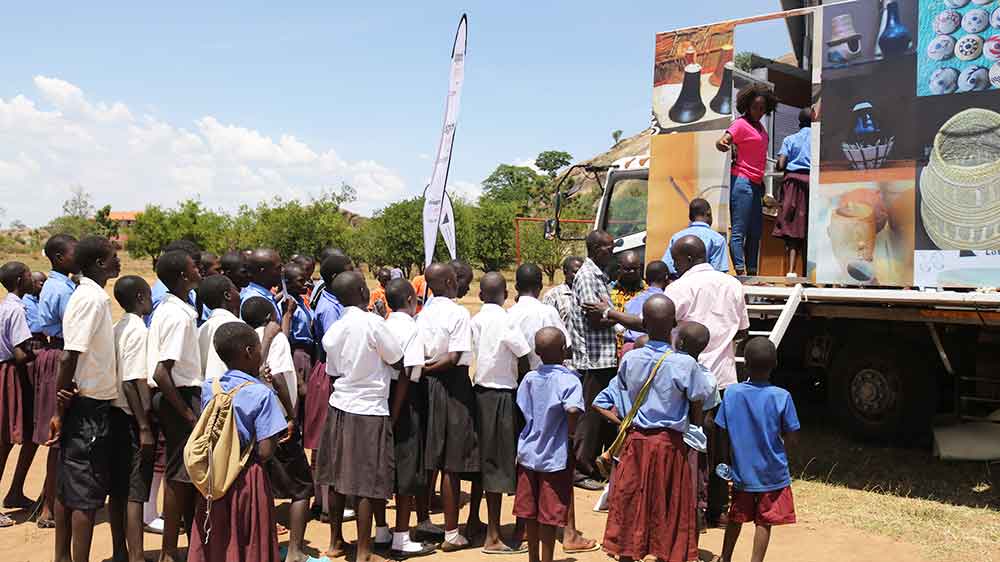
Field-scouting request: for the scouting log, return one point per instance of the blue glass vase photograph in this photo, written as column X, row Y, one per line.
column 895, row 39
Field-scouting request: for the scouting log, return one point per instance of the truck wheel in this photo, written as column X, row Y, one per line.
column 881, row 392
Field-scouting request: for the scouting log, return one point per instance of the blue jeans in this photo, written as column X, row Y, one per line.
column 745, row 213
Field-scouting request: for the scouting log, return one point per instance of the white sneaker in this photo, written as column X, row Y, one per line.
column 155, row 526
column 602, row 502
column 401, row 542
column 382, row 535
column 349, row 514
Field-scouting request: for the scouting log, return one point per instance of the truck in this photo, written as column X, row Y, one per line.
column 897, row 349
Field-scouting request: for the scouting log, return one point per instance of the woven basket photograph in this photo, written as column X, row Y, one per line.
column 960, row 186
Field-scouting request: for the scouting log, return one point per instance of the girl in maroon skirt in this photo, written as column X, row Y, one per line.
column 240, row 526
column 652, row 509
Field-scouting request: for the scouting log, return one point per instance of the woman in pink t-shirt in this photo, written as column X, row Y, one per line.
column 748, row 139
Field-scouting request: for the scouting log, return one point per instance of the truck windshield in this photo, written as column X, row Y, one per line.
column 626, row 208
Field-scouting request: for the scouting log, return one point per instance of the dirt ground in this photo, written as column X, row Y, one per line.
column 806, row 541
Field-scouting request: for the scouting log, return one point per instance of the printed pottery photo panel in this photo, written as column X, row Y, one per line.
column 864, row 32
column 693, row 79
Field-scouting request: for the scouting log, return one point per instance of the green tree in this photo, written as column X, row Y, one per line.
column 78, row 204
column 494, row 235
column 103, row 223
column 76, row 218
column 512, row 184
column 551, row 161
column 546, row 254
column 292, row 227
column 616, row 135
column 155, row 227
column 394, row 236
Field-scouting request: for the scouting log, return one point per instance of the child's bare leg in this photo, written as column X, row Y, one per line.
column 187, row 499
column 337, row 502
column 15, row 497
column 449, row 492
column 134, row 531
column 423, row 505
column 172, row 511
column 474, row 525
column 404, row 505
column 729, row 542
column 366, row 507
column 64, row 532
column 531, row 529
column 49, row 487
column 117, row 520
column 83, row 533
column 572, row 538
column 493, row 504
column 761, row 537
column 298, row 517
column 547, row 540
column 5, row 449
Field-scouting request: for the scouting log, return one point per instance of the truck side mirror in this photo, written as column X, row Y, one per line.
column 549, row 229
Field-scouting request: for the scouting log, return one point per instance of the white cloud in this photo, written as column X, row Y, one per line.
column 527, row 163
column 126, row 159
column 470, row 191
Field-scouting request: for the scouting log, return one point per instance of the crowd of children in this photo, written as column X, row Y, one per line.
column 388, row 400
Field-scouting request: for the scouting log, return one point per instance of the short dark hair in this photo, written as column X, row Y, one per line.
column 92, row 248
column 127, row 288
column 329, row 251
column 656, row 271
column 171, row 266
column 212, row 290
column 594, row 237
column 186, row 246
column 750, row 92
column 569, row 261
column 333, row 266
column 58, row 244
column 10, row 273
column 760, row 353
column 528, row 276
column 231, row 260
column 231, row 338
column 397, row 291
column 698, row 208
column 805, row 117
column 257, row 311
column 344, row 284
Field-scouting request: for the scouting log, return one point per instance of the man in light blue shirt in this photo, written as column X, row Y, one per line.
column 700, row 214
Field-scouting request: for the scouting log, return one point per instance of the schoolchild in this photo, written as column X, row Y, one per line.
column 222, row 298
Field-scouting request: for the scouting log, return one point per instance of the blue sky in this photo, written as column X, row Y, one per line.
column 237, row 102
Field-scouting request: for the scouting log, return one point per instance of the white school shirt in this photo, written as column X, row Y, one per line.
column 404, row 328
column 173, row 336
column 130, row 354
column 87, row 329
column 279, row 361
column 497, row 345
column 212, row 365
column 360, row 354
column 530, row 315
column 447, row 327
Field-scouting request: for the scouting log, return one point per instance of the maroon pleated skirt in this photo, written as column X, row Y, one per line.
column 44, row 371
column 318, row 390
column 793, row 220
column 241, row 524
column 652, row 509
column 15, row 405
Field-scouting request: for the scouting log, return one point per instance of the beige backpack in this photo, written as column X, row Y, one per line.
column 212, row 453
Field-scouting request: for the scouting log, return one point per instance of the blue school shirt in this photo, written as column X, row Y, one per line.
column 31, row 313
column 678, row 381
column 715, row 246
column 797, row 148
column 634, row 307
column 613, row 396
column 256, row 406
column 302, row 324
column 159, row 291
column 755, row 414
column 255, row 290
column 52, row 301
column 544, row 397
column 327, row 311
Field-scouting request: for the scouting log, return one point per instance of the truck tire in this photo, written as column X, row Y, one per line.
column 882, row 392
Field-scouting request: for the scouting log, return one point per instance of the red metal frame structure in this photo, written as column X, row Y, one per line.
column 517, row 230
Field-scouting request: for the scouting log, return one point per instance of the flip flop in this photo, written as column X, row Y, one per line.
column 425, row 550
column 46, row 523
column 504, row 549
column 592, row 548
column 281, row 529
column 6, row 521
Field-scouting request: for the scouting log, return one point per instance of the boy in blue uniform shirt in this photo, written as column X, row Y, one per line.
column 759, row 419
column 551, row 399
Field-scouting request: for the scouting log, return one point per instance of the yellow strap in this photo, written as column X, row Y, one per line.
column 639, row 399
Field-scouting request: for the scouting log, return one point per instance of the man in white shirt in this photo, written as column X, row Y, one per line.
column 501, row 359
column 357, row 453
column 716, row 300
column 222, row 298
column 173, row 359
column 83, row 428
column 452, row 443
